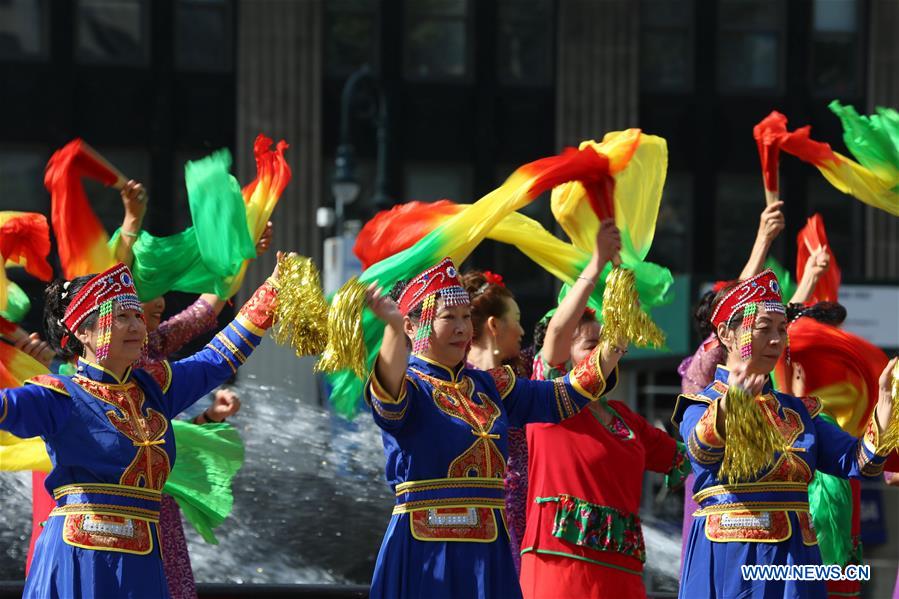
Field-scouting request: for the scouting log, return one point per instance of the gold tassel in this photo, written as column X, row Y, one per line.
column 301, row 318
column 623, row 320
column 890, row 439
column 752, row 439
column 346, row 340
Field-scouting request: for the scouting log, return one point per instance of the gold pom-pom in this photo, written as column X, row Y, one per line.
column 752, row 439
column 301, row 317
column 346, row 341
column 890, row 439
column 623, row 320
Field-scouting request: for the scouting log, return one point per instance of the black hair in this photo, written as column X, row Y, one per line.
column 830, row 313
column 702, row 315
column 56, row 299
column 397, row 290
column 735, row 320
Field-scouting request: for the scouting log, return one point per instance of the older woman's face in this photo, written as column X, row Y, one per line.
column 450, row 334
column 769, row 339
column 127, row 335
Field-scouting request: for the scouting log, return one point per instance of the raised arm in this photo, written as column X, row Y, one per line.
column 553, row 401
column 387, row 388
column 771, row 223
column 39, row 408
column 815, row 266
column 557, row 344
column 841, row 454
column 134, row 199
column 186, row 381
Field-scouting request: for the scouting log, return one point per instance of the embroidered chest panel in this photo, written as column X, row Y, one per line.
column 789, row 466
column 145, row 427
column 483, row 458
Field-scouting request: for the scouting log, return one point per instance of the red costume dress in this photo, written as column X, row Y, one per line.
column 583, row 536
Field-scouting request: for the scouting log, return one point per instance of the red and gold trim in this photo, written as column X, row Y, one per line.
column 504, row 378
column 753, row 506
column 812, row 404
column 107, row 532
column 751, row 487
column 385, row 406
column 706, row 431
column 700, row 454
column 586, row 377
column 256, row 315
column 48, row 382
column 807, row 528
column 161, row 372
column 454, row 524
column 753, row 526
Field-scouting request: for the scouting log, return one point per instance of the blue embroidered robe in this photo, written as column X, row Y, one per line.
column 765, row 521
column 111, row 445
column 445, row 444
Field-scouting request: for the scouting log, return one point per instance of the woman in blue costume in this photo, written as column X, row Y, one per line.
column 108, row 433
column 754, row 451
column 444, row 430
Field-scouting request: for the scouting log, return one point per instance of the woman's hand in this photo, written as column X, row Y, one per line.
column 383, row 306
column 225, row 405
column 35, row 347
column 771, row 223
column 134, row 199
column 608, row 241
column 281, row 256
column 884, row 409
column 265, row 241
column 818, row 262
column 740, row 378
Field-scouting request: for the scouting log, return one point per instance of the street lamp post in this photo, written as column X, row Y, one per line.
column 344, row 186
column 339, row 262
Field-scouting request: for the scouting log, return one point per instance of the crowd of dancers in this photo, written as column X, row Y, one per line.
column 514, row 472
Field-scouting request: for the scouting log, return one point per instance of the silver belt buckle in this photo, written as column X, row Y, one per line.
column 119, row 529
column 470, row 518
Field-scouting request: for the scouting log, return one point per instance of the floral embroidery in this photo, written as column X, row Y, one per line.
column 504, row 379
column 598, row 527
column 705, row 430
column 680, row 468
column 144, row 427
column 257, row 313
column 587, row 377
column 108, row 533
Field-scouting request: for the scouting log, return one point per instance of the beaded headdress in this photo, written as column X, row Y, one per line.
column 442, row 280
column 760, row 290
column 100, row 294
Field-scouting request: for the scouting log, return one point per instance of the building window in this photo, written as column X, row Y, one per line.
column 203, row 35
column 740, row 200
column 113, row 32
column 23, row 29
column 750, row 46
column 666, row 45
column 22, row 179
column 431, row 181
column 836, row 63
column 525, row 45
column 844, row 221
column 350, row 35
column 672, row 245
column 436, row 39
